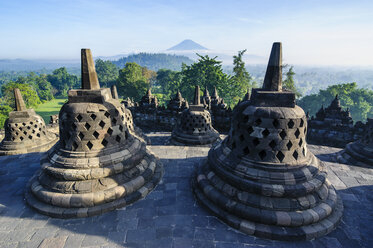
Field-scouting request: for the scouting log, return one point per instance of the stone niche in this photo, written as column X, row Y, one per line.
column 98, row 164
column 359, row 153
column 25, row 131
column 261, row 179
column 194, row 127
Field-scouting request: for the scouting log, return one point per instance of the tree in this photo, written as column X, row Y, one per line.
column 241, row 79
column 62, row 81
column 107, row 72
column 131, row 82
column 359, row 101
column 4, row 112
column 29, row 95
column 289, row 83
column 169, row 82
column 207, row 73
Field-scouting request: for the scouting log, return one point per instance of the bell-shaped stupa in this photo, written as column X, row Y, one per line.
column 25, row 131
column 194, row 127
column 360, row 152
column 261, row 179
column 98, row 165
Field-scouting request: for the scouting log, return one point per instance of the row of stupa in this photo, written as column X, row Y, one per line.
column 261, row 179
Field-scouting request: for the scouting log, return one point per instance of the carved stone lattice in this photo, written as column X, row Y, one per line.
column 25, row 131
column 261, row 179
column 99, row 164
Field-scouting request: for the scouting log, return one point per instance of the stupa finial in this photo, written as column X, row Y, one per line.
column 20, row 104
column 273, row 77
column 89, row 75
column 197, row 98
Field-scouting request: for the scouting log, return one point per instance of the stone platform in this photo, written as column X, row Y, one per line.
column 170, row 216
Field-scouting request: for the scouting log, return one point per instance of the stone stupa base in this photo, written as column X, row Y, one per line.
column 127, row 176
column 6, row 151
column 182, row 139
column 356, row 154
column 257, row 206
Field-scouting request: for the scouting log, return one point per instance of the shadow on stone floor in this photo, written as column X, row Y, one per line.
column 167, row 217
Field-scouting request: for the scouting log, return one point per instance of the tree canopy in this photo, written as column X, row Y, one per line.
column 289, row 82
column 62, row 81
column 107, row 72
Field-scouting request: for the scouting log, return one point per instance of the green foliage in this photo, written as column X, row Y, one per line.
column 107, row 72
column 169, row 82
column 206, row 72
column 4, row 111
column 62, row 81
column 359, row 101
column 155, row 61
column 29, row 95
column 241, row 80
column 289, row 83
column 131, row 81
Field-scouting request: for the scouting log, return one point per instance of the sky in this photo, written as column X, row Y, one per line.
column 318, row 32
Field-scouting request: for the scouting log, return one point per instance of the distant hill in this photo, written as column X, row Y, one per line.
column 187, row 45
column 155, row 61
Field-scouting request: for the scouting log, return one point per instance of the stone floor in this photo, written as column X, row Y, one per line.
column 169, row 216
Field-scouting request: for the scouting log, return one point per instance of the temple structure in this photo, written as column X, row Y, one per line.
column 148, row 102
column 206, row 99
column 177, row 104
column 98, row 165
column 359, row 153
column 25, row 131
column 221, row 115
column 261, row 179
column 332, row 126
column 194, row 126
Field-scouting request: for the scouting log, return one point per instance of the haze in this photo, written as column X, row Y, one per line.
column 313, row 32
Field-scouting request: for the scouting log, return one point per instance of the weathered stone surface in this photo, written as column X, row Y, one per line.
column 25, row 131
column 261, row 179
column 332, row 126
column 359, row 153
column 194, row 127
column 99, row 164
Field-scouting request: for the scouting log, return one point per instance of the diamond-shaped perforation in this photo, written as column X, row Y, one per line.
column 30, row 137
column 291, row 123
column 300, row 142
column 282, row 134
column 38, row 134
column 121, row 128
column 295, row 155
column 256, row 141
column 21, row 138
column 87, row 126
column 126, row 134
column 110, row 131
column 104, row 142
column 265, row 133
column 81, row 135
column 74, row 146
column 107, row 114
column 301, row 123
column 24, row 123
column 101, row 124
column 96, row 134
column 289, row 145
column 93, row 116
column 79, row 117
column 280, row 156
column 297, row 133
column 258, row 122
column 272, row 144
column 89, row 145
column 250, row 130
column 73, row 126
column 262, row 154
column 304, row 151
column 118, row 138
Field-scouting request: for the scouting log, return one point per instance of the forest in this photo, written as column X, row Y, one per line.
column 132, row 78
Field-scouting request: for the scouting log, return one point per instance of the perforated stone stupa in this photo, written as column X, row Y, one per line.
column 177, row 104
column 360, row 152
column 98, row 165
column 261, row 179
column 194, row 126
column 25, row 131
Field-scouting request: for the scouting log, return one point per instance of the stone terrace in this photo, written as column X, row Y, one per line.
column 169, row 216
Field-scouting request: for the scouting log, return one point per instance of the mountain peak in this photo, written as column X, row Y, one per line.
column 187, row 45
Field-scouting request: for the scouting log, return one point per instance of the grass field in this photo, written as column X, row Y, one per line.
column 47, row 109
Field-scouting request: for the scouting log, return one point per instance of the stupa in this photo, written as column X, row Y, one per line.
column 177, row 104
column 359, row 153
column 332, row 126
column 261, row 179
column 97, row 165
column 25, row 131
column 194, row 126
